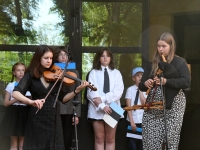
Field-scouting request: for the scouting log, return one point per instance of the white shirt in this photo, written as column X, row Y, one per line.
column 10, row 87
column 131, row 94
column 96, row 77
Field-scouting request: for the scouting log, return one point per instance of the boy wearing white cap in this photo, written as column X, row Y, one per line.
column 135, row 97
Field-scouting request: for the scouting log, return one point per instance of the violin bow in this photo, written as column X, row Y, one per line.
column 51, row 88
column 61, row 83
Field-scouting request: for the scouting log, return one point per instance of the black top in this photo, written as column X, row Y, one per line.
column 44, row 129
column 67, row 108
column 173, row 85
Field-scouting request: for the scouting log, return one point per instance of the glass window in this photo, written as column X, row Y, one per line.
column 124, row 62
column 33, row 22
column 8, row 59
column 111, row 24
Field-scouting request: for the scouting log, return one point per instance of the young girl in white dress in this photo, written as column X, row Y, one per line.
column 15, row 119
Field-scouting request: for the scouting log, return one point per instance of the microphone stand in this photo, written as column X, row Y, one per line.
column 75, row 140
column 64, row 71
column 165, row 141
column 55, row 101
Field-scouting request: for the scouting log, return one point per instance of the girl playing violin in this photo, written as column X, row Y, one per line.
column 44, row 129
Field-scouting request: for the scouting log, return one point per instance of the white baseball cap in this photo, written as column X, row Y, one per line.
column 136, row 70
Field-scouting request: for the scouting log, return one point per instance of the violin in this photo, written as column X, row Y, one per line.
column 56, row 73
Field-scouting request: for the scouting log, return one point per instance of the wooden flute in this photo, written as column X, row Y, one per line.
column 157, row 73
column 153, row 105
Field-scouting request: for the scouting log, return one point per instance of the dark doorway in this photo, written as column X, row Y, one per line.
column 187, row 32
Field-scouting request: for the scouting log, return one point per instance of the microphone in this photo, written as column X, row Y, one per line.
column 76, row 103
column 70, row 58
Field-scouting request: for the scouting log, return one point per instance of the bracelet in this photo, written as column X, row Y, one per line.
column 75, row 92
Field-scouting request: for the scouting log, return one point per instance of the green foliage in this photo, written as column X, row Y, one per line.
column 103, row 24
column 8, row 59
column 112, row 24
column 17, row 20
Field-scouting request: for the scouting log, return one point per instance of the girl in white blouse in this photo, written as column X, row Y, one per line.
column 99, row 101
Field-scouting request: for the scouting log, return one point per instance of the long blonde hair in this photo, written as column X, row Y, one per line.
column 169, row 39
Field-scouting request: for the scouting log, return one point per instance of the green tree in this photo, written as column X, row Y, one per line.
column 8, row 59
column 16, row 21
column 112, row 24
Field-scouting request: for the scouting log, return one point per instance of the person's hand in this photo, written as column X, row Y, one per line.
column 149, row 83
column 134, row 127
column 97, row 101
column 157, row 80
column 81, row 86
column 38, row 103
column 76, row 120
column 107, row 110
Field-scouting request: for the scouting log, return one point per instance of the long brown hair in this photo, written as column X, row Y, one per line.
column 35, row 67
column 96, row 61
column 169, row 39
column 14, row 67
